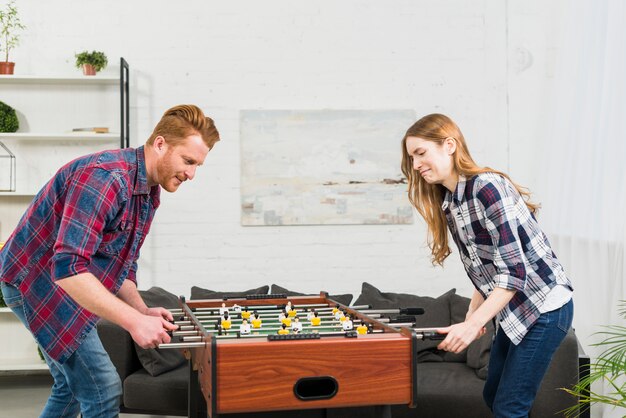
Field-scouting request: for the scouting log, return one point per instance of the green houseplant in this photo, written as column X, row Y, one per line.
column 8, row 118
column 10, row 26
column 608, row 368
column 91, row 62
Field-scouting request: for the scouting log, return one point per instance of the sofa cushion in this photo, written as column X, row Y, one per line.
column 344, row 299
column 200, row 293
column 166, row 392
column 157, row 361
column 436, row 313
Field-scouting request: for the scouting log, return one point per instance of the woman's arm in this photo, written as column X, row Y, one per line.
column 462, row 334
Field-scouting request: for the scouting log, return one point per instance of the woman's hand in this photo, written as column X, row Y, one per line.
column 460, row 336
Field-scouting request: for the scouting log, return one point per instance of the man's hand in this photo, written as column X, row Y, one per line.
column 160, row 312
column 150, row 331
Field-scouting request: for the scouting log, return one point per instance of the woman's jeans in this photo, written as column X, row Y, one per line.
column 86, row 383
column 516, row 371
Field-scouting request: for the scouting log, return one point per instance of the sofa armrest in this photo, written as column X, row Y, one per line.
column 119, row 344
column 562, row 373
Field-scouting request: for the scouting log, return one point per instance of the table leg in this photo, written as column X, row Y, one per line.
column 382, row 411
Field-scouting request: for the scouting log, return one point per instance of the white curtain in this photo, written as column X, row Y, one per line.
column 584, row 164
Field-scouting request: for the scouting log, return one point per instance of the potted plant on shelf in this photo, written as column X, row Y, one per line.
column 91, row 62
column 10, row 27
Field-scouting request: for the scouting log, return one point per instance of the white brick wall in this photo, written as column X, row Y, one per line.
column 463, row 58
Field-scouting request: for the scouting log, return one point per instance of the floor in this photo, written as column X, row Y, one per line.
column 24, row 396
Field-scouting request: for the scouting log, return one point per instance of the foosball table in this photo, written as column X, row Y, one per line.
column 272, row 352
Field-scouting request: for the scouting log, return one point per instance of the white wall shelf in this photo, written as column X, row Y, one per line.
column 79, row 79
column 69, row 136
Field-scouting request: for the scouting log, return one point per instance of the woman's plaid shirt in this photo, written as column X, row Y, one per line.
column 501, row 245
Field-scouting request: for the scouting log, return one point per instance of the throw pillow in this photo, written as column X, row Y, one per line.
column 157, row 361
column 458, row 309
column 436, row 313
column 478, row 352
column 344, row 299
column 200, row 293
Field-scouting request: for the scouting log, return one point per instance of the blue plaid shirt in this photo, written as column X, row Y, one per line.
column 501, row 245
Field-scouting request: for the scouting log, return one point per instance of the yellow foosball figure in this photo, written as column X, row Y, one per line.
column 286, row 321
column 245, row 314
column 316, row 320
column 283, row 330
column 335, row 310
column 226, row 323
column 361, row 329
column 256, row 322
column 292, row 313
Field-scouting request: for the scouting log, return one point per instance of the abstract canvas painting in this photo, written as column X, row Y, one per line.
column 321, row 167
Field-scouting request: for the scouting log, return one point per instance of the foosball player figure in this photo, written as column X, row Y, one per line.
column 316, row 320
column 237, row 308
column 335, row 309
column 244, row 328
column 346, row 324
column 256, row 322
column 245, row 314
column 283, row 330
column 310, row 314
column 342, row 317
column 338, row 314
column 223, row 309
column 361, row 329
column 226, row 323
column 296, row 325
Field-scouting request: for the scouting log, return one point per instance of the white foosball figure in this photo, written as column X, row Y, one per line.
column 310, row 314
column 347, row 324
column 236, row 308
column 281, row 316
column 338, row 314
column 296, row 325
column 223, row 309
column 244, row 328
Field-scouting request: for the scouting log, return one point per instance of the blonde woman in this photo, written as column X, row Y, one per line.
column 517, row 278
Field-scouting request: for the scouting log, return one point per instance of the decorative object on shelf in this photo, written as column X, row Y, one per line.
column 95, row 129
column 7, row 164
column 607, row 369
column 8, row 118
column 91, row 62
column 10, row 26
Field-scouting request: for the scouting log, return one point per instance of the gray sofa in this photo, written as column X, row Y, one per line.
column 448, row 385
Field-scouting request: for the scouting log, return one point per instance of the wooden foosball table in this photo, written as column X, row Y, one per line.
column 272, row 352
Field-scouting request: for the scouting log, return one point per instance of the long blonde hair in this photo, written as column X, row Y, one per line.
column 427, row 198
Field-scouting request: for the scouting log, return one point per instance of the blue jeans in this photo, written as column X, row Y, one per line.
column 86, row 383
column 515, row 371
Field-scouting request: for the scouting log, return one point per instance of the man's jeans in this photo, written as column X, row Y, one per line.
column 86, row 383
column 516, row 371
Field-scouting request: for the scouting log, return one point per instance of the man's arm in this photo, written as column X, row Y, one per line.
column 129, row 294
column 147, row 331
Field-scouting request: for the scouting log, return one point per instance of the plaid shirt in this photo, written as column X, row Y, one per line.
column 501, row 245
column 92, row 216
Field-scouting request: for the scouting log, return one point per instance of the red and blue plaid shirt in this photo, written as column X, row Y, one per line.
column 501, row 245
column 92, row 216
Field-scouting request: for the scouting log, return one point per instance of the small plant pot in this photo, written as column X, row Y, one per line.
column 89, row 69
column 6, row 67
